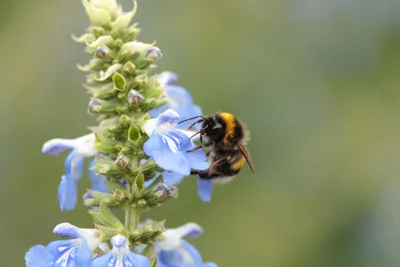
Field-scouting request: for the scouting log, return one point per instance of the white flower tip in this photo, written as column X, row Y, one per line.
column 170, row 116
column 173, row 237
column 55, row 146
column 149, row 126
column 67, row 230
column 190, row 230
column 167, row 78
column 119, row 241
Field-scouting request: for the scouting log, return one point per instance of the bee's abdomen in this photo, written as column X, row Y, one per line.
column 238, row 164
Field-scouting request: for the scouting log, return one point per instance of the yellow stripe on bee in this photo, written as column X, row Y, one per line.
column 229, row 120
column 239, row 164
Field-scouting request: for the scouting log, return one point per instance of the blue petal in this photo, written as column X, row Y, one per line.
column 187, row 112
column 67, row 230
column 154, row 113
column 176, row 140
column 38, row 256
column 197, row 160
column 204, row 189
column 209, row 264
column 179, row 96
column 83, row 255
column 155, row 143
column 167, row 151
column 172, row 178
column 97, row 179
column 170, row 258
column 74, row 165
column 130, row 259
column 67, row 193
column 136, row 260
column 171, row 141
column 64, row 252
column 175, row 162
column 194, row 253
column 106, row 260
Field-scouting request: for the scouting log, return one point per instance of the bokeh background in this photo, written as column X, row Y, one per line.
column 316, row 81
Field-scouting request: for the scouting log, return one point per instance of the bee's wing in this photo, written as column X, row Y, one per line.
column 246, row 155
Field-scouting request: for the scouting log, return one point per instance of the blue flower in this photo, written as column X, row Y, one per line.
column 39, row 256
column 173, row 251
column 82, row 147
column 72, row 252
column 179, row 98
column 120, row 256
column 168, row 146
column 204, row 189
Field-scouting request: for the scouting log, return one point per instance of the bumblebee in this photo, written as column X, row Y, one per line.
column 224, row 138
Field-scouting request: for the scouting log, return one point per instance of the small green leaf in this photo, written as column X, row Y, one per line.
column 139, row 181
column 104, row 217
column 119, row 81
column 134, row 134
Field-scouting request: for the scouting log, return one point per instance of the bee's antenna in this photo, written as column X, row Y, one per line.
column 192, row 119
column 195, row 134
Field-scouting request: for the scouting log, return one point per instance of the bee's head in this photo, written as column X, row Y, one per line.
column 213, row 128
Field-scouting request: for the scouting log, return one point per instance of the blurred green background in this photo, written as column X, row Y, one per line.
column 316, row 81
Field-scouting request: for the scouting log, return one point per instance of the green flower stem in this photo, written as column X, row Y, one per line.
column 132, row 214
column 132, row 217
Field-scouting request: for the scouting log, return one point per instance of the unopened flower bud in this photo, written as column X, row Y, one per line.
column 101, row 51
column 125, row 121
column 128, row 67
column 164, row 191
column 154, row 53
column 94, row 106
column 134, row 97
column 121, row 161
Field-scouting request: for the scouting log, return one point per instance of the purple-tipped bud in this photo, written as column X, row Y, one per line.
column 134, row 97
column 164, row 191
column 94, row 106
column 153, row 53
column 101, row 52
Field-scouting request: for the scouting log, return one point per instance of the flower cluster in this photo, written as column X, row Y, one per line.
column 138, row 154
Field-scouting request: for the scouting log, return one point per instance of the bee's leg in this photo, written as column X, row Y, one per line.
column 214, row 164
column 195, row 149
column 200, row 146
column 194, row 123
column 194, row 172
column 208, row 174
